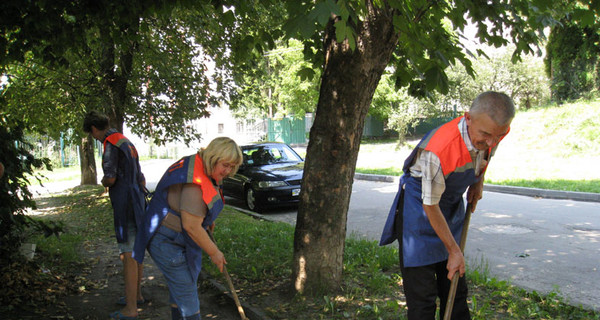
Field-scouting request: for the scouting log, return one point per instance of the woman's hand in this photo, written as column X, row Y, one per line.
column 218, row 259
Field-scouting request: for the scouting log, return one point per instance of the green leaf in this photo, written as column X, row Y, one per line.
column 321, row 13
column 402, row 77
column 228, row 18
column 333, row 7
column 344, row 11
column 435, row 78
column 340, row 30
column 585, row 17
column 343, row 31
column 352, row 42
column 439, row 55
column 307, row 28
column 306, row 74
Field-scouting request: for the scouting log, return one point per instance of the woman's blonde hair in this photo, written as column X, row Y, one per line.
column 221, row 148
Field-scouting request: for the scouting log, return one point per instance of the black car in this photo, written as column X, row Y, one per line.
column 269, row 176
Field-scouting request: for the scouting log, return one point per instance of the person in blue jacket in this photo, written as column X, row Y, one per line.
column 126, row 184
column 428, row 213
column 185, row 204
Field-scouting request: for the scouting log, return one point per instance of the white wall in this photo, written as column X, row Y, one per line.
column 220, row 123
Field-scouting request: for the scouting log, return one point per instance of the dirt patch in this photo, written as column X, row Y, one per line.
column 106, row 272
column 104, row 285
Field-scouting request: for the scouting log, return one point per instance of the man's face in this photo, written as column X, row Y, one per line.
column 483, row 131
column 97, row 134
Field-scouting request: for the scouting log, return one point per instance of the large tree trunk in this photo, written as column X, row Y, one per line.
column 89, row 174
column 347, row 86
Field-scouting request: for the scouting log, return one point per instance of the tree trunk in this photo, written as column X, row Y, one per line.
column 89, row 174
column 115, row 80
column 347, row 86
column 115, row 86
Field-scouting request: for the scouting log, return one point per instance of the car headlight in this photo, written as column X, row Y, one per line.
column 271, row 184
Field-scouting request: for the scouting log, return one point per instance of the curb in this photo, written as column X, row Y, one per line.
column 375, row 177
column 544, row 193
column 521, row 191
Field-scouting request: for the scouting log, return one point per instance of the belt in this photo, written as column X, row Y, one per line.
column 172, row 222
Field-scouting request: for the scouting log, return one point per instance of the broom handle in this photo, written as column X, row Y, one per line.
column 454, row 283
column 230, row 283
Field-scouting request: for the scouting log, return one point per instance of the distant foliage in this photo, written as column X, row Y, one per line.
column 523, row 80
column 572, row 61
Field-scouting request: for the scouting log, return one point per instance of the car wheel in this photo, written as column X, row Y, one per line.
column 251, row 200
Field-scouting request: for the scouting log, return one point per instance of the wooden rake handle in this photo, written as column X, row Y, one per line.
column 454, row 282
column 230, row 284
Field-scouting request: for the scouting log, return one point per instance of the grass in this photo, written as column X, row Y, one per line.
column 554, row 147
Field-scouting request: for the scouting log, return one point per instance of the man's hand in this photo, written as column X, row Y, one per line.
column 108, row 182
column 456, row 263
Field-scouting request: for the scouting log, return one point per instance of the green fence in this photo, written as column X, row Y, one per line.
column 373, row 127
column 288, row 130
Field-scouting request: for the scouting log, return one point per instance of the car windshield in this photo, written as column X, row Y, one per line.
column 263, row 155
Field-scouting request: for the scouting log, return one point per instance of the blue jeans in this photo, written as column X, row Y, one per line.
column 167, row 249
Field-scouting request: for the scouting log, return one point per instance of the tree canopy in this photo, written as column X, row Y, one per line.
column 572, row 59
column 139, row 57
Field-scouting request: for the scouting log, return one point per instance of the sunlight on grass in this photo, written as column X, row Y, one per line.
column 555, row 148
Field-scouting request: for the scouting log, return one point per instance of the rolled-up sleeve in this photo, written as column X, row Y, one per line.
column 433, row 183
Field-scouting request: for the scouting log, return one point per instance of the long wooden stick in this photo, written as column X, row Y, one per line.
column 230, row 284
column 454, row 283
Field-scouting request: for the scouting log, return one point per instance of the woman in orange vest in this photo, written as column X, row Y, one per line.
column 186, row 202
